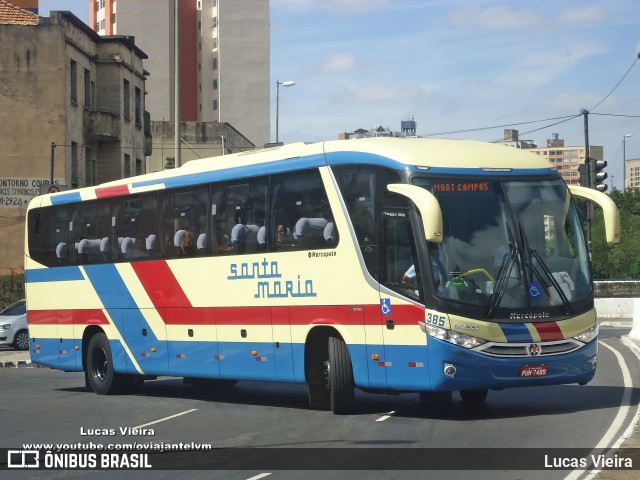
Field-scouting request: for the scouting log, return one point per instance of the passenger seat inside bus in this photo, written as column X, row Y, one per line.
column 244, row 237
column 310, row 232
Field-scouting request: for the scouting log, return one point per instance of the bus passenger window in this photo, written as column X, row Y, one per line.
column 183, row 226
column 90, row 223
column 300, row 213
column 49, row 235
column 240, row 222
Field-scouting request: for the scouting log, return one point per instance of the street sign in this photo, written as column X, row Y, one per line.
column 46, row 188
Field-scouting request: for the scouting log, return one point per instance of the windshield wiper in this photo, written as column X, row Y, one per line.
column 503, row 279
column 531, row 254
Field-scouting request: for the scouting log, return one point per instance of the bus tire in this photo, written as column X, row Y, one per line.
column 101, row 376
column 341, row 385
column 474, row 396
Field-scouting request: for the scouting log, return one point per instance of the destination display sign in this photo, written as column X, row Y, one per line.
column 461, row 187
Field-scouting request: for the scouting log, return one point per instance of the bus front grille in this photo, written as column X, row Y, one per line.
column 533, row 349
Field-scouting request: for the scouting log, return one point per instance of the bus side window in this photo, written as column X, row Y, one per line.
column 183, row 225
column 135, row 228
column 49, row 235
column 364, row 190
column 240, row 223
column 90, row 223
column 300, row 215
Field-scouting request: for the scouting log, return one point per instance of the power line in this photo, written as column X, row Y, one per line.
column 493, row 127
column 617, row 84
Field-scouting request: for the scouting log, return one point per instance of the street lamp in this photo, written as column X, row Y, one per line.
column 624, row 160
column 288, row 83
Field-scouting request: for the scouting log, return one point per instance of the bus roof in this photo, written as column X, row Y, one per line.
column 439, row 155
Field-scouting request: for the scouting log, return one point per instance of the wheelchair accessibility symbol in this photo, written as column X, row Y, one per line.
column 535, row 289
column 385, row 306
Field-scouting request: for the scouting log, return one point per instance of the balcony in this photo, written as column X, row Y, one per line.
column 101, row 123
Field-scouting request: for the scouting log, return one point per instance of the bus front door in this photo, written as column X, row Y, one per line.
column 401, row 303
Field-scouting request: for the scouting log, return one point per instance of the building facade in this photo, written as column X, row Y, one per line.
column 199, row 140
column 567, row 159
column 224, row 57
column 632, row 173
column 72, row 108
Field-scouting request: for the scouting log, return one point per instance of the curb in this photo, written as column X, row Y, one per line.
column 18, row 364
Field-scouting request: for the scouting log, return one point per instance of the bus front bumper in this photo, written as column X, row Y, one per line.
column 455, row 368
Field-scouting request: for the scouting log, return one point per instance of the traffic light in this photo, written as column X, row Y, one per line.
column 599, row 175
column 584, row 178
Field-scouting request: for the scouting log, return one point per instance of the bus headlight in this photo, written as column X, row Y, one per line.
column 588, row 335
column 460, row 339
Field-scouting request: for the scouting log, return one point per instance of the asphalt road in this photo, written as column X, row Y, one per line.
column 39, row 405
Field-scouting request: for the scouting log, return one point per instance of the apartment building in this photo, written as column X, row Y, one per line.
column 567, row 159
column 223, row 52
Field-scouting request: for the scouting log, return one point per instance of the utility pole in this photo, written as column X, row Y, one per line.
column 53, row 153
column 590, row 174
column 176, row 86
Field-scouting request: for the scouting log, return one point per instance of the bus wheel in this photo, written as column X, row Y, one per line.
column 100, row 374
column 341, row 385
column 474, row 396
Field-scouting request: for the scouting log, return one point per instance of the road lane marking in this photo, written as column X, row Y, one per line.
column 386, row 416
column 258, row 477
column 625, row 405
column 166, row 418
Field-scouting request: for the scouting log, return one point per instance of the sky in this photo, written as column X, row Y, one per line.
column 455, row 66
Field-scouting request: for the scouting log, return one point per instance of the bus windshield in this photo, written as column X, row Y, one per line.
column 508, row 244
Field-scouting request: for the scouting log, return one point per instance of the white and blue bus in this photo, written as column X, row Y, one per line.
column 385, row 265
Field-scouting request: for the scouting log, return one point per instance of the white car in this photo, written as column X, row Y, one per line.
column 13, row 326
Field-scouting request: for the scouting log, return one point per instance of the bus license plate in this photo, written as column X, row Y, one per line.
column 533, row 371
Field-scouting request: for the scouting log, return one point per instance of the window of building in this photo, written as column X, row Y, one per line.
column 215, row 83
column 127, row 99
column 215, row 104
column 139, row 167
column 87, row 88
column 138, row 99
column 74, row 81
column 215, row 63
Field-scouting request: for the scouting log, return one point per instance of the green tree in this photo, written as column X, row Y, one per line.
column 622, row 260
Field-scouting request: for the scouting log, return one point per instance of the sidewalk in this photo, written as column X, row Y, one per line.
column 10, row 358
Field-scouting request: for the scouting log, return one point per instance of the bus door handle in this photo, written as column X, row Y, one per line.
column 391, row 324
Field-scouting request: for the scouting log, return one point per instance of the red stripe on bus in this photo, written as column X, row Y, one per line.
column 243, row 316
column 160, row 284
column 189, row 316
column 549, row 331
column 67, row 317
column 116, row 191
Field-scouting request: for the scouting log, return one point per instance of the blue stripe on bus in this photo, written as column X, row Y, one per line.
column 516, row 332
column 342, row 158
column 70, row 197
column 60, row 274
column 110, row 286
column 287, row 165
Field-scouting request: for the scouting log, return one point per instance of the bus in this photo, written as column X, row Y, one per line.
column 383, row 264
